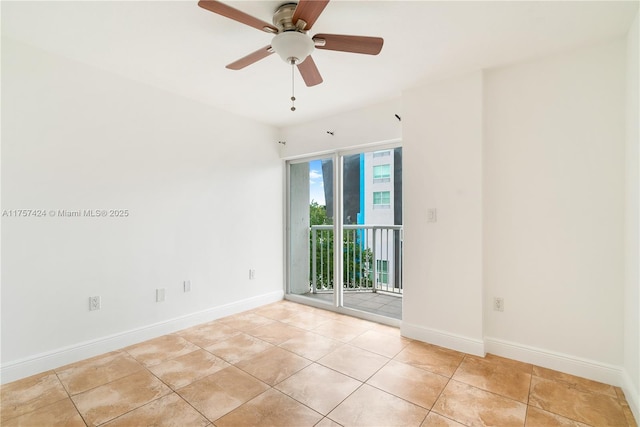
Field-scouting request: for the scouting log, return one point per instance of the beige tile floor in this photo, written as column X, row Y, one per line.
column 287, row 364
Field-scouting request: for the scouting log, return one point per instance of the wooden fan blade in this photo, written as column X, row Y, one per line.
column 237, row 15
column 251, row 58
column 309, row 72
column 308, row 11
column 354, row 44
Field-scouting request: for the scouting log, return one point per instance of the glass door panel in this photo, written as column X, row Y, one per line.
column 372, row 232
column 358, row 196
column 311, row 236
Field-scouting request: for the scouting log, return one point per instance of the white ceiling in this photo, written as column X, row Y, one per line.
column 182, row 48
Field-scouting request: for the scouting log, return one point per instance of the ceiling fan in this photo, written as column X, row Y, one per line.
column 291, row 23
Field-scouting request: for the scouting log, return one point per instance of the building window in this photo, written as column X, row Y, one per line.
column 382, row 270
column 382, row 173
column 381, row 153
column 381, row 199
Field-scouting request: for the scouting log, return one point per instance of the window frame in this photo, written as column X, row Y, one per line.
column 381, row 204
column 382, row 272
column 382, row 177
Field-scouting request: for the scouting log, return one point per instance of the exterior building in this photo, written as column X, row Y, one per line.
column 382, row 207
column 373, row 197
column 378, row 196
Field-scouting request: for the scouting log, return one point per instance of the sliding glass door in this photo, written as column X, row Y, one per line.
column 344, row 232
column 372, row 232
column 310, row 229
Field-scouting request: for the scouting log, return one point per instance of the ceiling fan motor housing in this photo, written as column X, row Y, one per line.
column 283, row 16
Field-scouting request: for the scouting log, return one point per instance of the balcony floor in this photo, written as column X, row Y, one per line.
column 370, row 302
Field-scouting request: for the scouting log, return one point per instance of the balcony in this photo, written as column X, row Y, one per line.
column 372, row 260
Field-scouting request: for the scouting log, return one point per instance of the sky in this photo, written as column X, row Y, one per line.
column 316, row 187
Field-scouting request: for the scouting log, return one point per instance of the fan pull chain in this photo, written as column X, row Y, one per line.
column 293, row 93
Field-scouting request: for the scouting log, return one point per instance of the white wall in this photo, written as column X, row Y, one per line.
column 553, row 206
column 525, row 166
column 374, row 124
column 632, row 229
column 442, row 166
column 204, row 194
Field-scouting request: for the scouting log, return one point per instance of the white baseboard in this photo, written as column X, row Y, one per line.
column 15, row 370
column 573, row 365
column 608, row 374
column 443, row 339
column 596, row 371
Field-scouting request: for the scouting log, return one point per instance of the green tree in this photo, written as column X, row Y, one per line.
column 323, row 247
column 318, row 214
column 357, row 260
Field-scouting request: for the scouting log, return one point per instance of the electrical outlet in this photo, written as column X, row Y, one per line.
column 252, row 274
column 498, row 304
column 94, row 303
column 186, row 285
column 159, row 294
column 432, row 215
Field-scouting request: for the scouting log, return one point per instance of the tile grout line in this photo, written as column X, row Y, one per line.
column 526, row 412
column 212, row 422
column 145, row 367
column 316, row 362
column 70, row 399
column 144, row 404
column 51, row 403
column 444, row 388
column 555, row 413
column 193, row 407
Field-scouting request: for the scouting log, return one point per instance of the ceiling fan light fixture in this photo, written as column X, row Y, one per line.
column 292, row 46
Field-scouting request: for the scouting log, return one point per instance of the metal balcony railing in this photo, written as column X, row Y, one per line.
column 372, row 258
